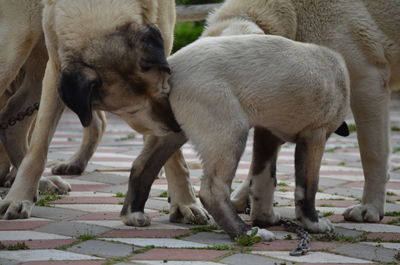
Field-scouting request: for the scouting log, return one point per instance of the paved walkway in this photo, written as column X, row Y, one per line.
column 84, row 227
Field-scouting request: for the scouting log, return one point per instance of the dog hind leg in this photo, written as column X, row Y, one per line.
column 220, row 164
column 308, row 155
column 91, row 138
column 263, row 175
column 184, row 207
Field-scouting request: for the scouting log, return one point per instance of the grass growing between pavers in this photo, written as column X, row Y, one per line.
column 46, row 198
column 248, row 240
column 126, row 138
column 120, row 195
column 392, row 214
column 326, row 214
column 17, row 246
column 79, row 239
column 164, row 194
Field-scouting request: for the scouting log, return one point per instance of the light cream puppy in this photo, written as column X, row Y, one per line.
column 221, row 87
column 366, row 33
column 105, row 55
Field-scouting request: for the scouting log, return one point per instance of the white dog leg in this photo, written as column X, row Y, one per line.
column 91, row 138
column 263, row 167
column 184, row 207
column 370, row 101
column 240, row 196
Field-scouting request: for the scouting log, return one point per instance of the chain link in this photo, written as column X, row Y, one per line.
column 303, row 245
column 19, row 117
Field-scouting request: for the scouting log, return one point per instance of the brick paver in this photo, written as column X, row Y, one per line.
column 84, row 228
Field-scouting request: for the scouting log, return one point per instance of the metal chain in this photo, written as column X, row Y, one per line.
column 19, row 117
column 303, row 245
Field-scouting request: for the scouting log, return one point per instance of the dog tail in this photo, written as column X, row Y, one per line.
column 343, row 130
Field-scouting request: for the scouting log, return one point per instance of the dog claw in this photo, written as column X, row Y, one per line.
column 54, row 184
column 189, row 214
column 363, row 213
column 15, row 209
column 138, row 219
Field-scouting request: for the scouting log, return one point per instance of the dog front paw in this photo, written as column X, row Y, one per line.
column 15, row 209
column 363, row 213
column 138, row 219
column 188, row 214
column 322, row 226
column 54, row 184
column 71, row 168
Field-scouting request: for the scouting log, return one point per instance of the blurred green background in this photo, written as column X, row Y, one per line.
column 187, row 32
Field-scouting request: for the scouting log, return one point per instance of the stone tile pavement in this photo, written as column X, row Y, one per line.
column 84, row 227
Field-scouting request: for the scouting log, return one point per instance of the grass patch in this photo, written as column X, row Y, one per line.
column 396, row 149
column 164, row 194
column 86, row 237
column 18, row 246
column 143, row 250
column 395, row 128
column 46, row 198
column 164, row 211
column 395, row 221
column 342, row 164
column 392, row 214
column 389, row 193
column 326, row 205
column 120, row 195
column 326, row 214
column 288, row 237
column 248, row 240
column 126, row 138
column 352, row 128
column 282, row 184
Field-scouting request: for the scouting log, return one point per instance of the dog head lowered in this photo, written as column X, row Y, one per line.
column 124, row 72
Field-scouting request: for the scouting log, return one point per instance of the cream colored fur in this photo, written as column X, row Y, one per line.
column 223, row 86
column 70, row 26
column 366, row 33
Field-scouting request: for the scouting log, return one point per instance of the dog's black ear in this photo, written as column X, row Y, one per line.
column 343, row 130
column 151, row 49
column 75, row 91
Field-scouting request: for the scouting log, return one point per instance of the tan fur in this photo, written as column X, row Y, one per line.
column 366, row 33
column 223, row 86
column 103, row 46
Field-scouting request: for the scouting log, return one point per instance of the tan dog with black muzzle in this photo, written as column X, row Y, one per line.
column 223, row 86
column 106, row 55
